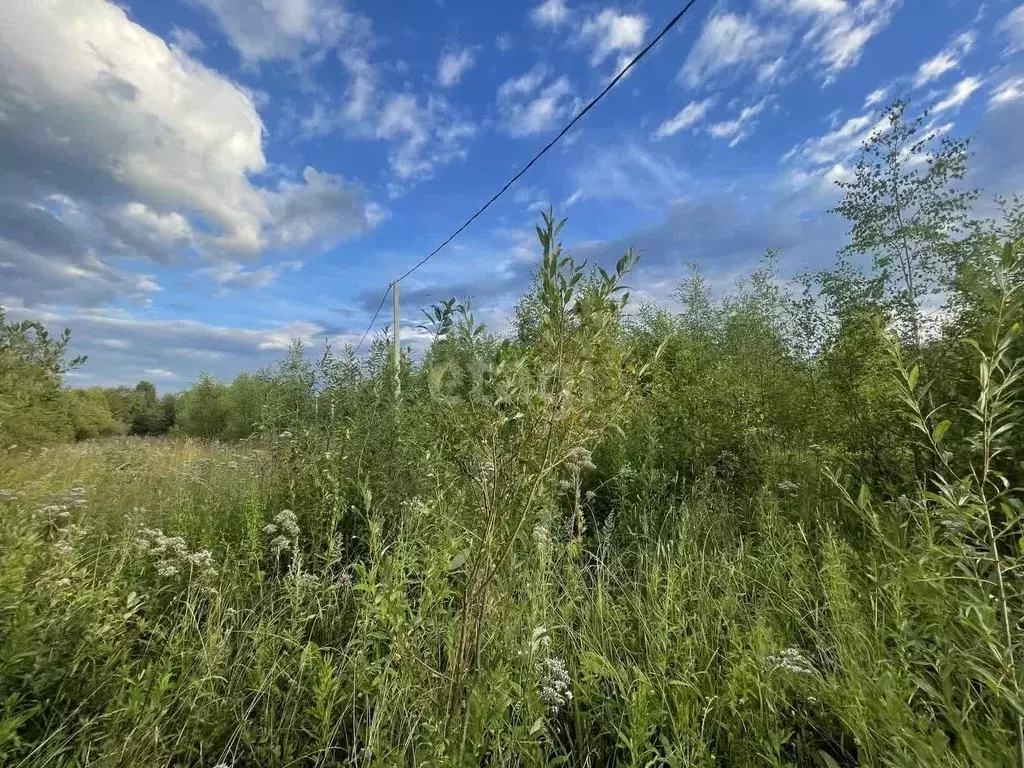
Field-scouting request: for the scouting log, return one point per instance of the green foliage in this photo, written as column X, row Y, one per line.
column 779, row 526
column 905, row 209
column 32, row 407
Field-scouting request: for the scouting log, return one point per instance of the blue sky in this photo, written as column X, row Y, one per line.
column 190, row 183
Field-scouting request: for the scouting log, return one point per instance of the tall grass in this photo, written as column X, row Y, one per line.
column 600, row 545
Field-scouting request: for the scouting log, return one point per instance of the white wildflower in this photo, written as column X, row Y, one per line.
column 304, row 579
column 288, row 521
column 554, row 684
column 63, row 548
column 792, row 660
column 579, row 459
column 280, row 544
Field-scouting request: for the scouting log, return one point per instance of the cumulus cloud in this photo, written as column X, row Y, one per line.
column 426, row 132
column 534, row 102
column 274, row 30
column 58, row 252
column 120, row 112
column 321, row 210
column 124, row 148
column 611, row 32
column 550, row 13
column 687, row 117
column 453, row 65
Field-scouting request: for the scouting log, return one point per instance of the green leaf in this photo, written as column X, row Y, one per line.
column 864, row 496
column 457, row 562
column 940, row 431
column 915, row 372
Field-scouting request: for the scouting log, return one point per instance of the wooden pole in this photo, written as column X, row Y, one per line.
column 396, row 352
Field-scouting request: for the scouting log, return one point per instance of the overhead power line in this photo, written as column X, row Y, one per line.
column 593, row 102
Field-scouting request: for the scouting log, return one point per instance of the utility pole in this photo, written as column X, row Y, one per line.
column 396, row 351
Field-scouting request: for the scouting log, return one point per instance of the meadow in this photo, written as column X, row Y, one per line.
column 780, row 527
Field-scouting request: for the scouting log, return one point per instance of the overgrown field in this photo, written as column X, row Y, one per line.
column 775, row 528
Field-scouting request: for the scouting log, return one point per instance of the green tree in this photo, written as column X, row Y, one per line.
column 906, row 209
column 203, row 409
column 32, row 366
column 90, row 414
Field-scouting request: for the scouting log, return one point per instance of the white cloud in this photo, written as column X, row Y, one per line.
column 550, row 13
column 687, row 117
column 230, row 274
column 767, row 72
column 275, row 30
column 426, row 134
column 1010, row 90
column 726, row 41
column 161, row 373
column 503, row 43
column 453, row 65
column 322, row 210
column 836, row 145
column 123, row 147
column 877, row 96
column 169, row 227
column 282, row 338
column 529, row 105
column 186, row 40
column 836, row 31
column 741, row 126
column 944, row 61
column 935, row 67
column 840, row 38
column 572, row 199
column 611, row 32
column 120, row 106
column 181, row 347
column 958, row 94
column 1012, row 28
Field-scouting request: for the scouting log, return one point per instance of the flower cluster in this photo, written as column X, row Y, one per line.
column 171, row 555
column 792, row 660
column 57, row 513
column 542, row 537
column 284, row 529
column 554, row 684
column 580, row 459
column 303, row 579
